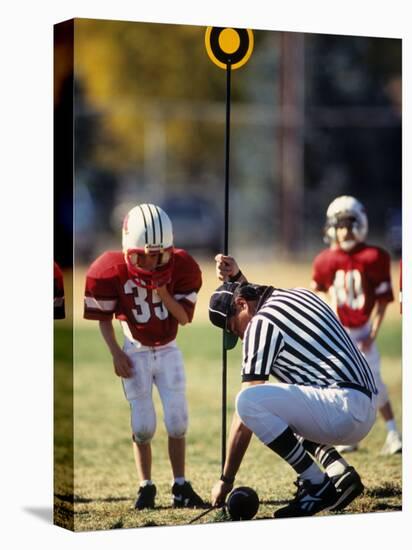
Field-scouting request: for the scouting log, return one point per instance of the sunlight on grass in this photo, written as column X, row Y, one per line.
column 105, row 481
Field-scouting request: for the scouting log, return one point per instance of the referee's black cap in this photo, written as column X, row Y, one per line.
column 221, row 308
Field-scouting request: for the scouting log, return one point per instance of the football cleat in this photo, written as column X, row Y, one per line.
column 346, row 448
column 348, row 486
column 310, row 499
column 393, row 444
column 145, row 497
column 183, row 496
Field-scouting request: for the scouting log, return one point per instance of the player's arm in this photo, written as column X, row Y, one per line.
column 227, row 269
column 383, row 293
column 326, row 295
column 238, row 442
column 187, row 282
column 173, row 306
column 378, row 317
column 121, row 362
column 322, row 282
column 376, row 321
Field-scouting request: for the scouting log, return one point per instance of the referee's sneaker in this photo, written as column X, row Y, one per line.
column 333, row 494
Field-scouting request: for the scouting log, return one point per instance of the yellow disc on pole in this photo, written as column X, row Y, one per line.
column 229, row 41
column 229, row 46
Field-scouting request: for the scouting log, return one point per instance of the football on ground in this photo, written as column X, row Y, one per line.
column 243, row 503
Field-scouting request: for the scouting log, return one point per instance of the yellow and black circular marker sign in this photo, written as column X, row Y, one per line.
column 226, row 46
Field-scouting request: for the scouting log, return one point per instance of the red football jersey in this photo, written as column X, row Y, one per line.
column 58, row 298
column 110, row 290
column 356, row 280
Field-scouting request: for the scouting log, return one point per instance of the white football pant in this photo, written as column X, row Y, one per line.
column 163, row 367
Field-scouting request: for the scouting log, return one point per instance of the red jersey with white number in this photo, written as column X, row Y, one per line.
column 355, row 280
column 112, row 291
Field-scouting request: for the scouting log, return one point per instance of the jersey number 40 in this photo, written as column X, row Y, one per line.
column 348, row 289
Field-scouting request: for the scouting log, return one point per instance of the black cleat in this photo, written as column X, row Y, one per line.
column 145, row 497
column 183, row 496
column 309, row 499
column 348, row 486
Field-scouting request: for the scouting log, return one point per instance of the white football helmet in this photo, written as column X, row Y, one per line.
column 147, row 229
column 346, row 210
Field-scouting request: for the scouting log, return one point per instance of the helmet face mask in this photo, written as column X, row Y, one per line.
column 147, row 232
column 135, row 256
column 345, row 212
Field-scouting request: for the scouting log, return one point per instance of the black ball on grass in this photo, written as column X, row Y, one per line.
column 242, row 503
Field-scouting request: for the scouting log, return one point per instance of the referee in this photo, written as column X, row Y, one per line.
column 326, row 394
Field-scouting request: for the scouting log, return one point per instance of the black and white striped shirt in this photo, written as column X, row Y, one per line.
column 296, row 337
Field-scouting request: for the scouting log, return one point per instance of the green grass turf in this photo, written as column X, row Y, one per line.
column 105, row 480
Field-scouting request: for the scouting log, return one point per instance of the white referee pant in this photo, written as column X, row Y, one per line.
column 322, row 415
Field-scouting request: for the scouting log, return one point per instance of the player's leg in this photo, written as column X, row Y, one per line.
column 357, row 334
column 177, row 451
column 393, row 442
column 171, row 383
column 138, row 391
column 170, row 380
column 143, row 460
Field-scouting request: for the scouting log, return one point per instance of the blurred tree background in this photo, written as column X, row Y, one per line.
column 313, row 116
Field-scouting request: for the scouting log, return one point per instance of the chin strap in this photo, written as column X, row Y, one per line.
column 347, row 245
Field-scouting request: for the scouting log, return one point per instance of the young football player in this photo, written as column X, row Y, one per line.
column 151, row 288
column 357, row 278
column 58, row 293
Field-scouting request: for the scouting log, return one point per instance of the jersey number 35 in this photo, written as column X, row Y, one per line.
column 142, row 312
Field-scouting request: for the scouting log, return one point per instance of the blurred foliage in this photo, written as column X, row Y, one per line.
column 124, row 69
column 150, row 122
column 144, row 60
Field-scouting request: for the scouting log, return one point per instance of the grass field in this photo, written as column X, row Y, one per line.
column 105, row 481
